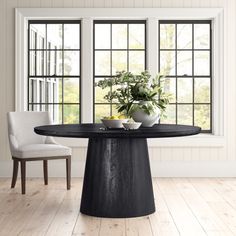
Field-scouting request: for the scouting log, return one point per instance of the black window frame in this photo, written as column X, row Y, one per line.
column 110, row 50
column 176, row 76
column 45, row 50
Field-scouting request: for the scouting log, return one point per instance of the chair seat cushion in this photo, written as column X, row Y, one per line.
column 42, row 150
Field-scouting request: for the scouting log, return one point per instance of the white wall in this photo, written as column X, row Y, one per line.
column 207, row 160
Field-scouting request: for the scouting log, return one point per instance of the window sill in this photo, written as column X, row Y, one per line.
column 200, row 140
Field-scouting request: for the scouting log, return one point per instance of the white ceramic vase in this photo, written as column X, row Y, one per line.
column 147, row 120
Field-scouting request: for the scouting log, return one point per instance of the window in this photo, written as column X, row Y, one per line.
column 118, row 45
column 185, row 52
column 54, row 69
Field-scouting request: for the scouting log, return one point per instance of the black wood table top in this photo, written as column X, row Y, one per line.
column 97, row 130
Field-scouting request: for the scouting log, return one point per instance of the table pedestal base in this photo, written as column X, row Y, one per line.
column 117, row 180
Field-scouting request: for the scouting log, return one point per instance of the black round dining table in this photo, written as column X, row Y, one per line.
column 117, row 179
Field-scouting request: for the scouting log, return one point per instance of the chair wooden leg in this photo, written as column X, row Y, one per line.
column 68, row 172
column 23, row 179
column 15, row 173
column 45, row 171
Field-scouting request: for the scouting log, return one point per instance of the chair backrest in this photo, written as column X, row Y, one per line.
column 21, row 127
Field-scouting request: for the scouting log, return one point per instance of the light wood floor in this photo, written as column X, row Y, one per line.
column 185, row 206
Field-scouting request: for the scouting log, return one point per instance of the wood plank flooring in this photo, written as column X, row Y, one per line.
column 185, row 206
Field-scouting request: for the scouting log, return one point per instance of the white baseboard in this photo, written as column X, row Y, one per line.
column 158, row 168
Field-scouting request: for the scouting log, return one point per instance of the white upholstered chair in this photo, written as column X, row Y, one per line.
column 26, row 145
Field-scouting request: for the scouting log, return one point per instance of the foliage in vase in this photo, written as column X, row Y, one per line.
column 131, row 89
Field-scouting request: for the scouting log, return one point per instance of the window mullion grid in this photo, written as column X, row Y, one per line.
column 35, row 54
column 62, row 106
column 211, row 94
column 176, row 78
column 145, row 45
column 128, row 50
column 29, row 81
column 80, row 71
column 159, row 57
column 35, row 73
column 43, row 87
column 193, row 79
column 193, row 76
column 46, row 61
column 111, row 64
column 94, row 55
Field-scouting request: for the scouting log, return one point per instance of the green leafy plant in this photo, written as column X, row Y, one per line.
column 131, row 89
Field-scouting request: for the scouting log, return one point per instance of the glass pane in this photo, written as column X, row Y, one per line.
column 54, row 35
column 185, row 90
column 32, row 63
column 201, row 36
column 41, row 44
column 42, row 90
column 185, row 114
column 119, row 61
column 136, row 61
column 136, row 36
column 32, row 90
column 60, row 114
column 71, row 36
column 202, row 90
column 167, row 36
column 101, row 111
column 170, row 87
column 119, row 36
column 102, row 36
column 202, row 116
column 167, row 62
column 54, row 66
column 33, row 107
column 40, row 62
column 102, row 63
column 71, row 63
column 59, row 97
column 169, row 115
column 40, row 31
column 56, row 89
column 58, row 63
column 49, row 90
column 115, row 110
column 202, row 63
column 52, row 59
column 71, row 114
column 114, row 88
column 32, row 39
column 184, row 36
column 100, row 93
column 184, row 63
column 71, row 90
column 55, row 112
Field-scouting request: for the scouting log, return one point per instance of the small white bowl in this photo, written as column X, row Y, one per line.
column 114, row 124
column 134, row 125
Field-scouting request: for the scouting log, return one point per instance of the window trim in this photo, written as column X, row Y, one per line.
column 152, row 15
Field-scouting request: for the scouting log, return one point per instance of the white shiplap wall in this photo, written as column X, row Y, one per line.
column 165, row 161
